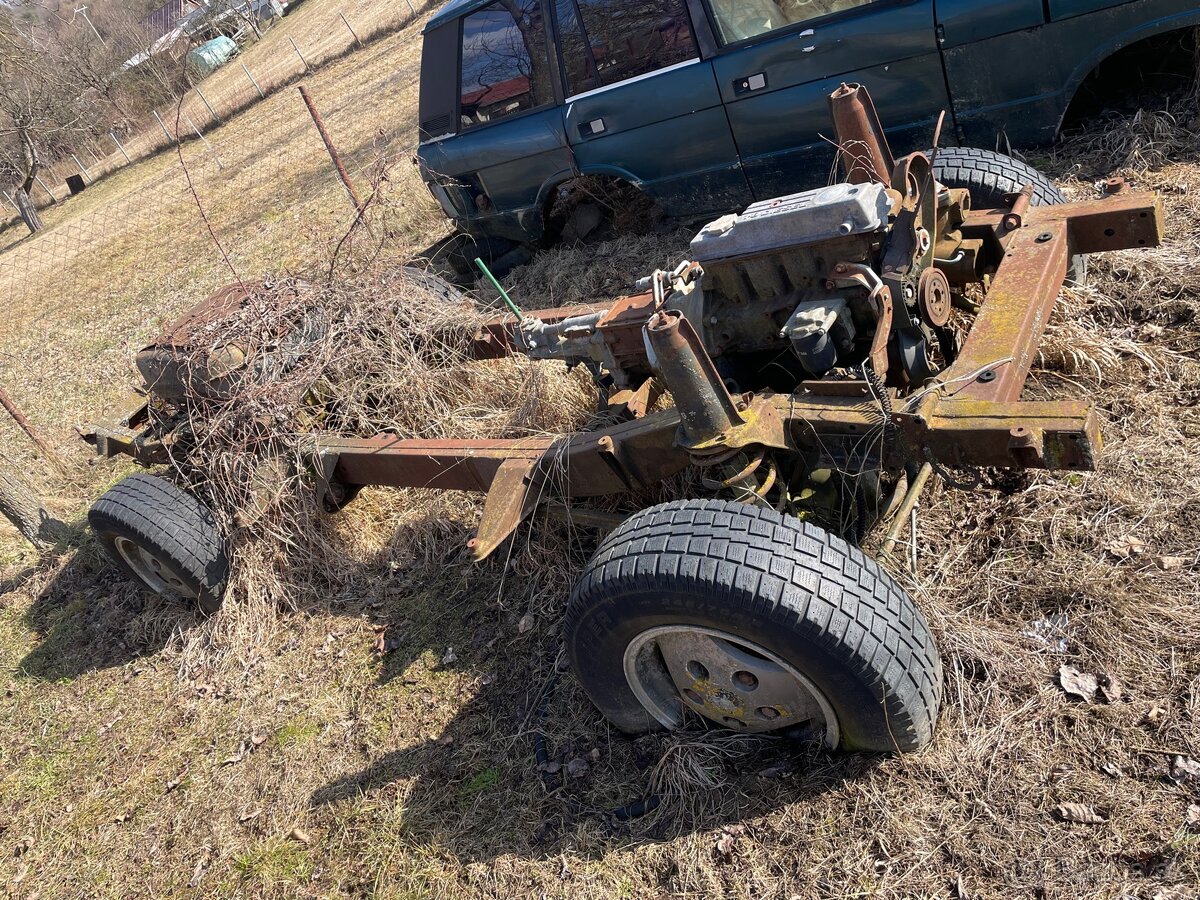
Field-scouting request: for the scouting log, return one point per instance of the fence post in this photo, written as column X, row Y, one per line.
column 412, row 11
column 50, row 193
column 163, row 126
column 261, row 95
column 82, row 170
column 298, row 53
column 212, row 112
column 350, row 28
column 216, row 158
column 332, row 150
column 11, row 201
column 119, row 147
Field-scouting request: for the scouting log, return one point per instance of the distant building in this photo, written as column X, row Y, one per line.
column 164, row 20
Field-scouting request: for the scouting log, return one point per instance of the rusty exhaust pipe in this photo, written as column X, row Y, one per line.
column 862, row 146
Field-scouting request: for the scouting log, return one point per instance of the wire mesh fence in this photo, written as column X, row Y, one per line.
column 146, row 241
column 288, row 49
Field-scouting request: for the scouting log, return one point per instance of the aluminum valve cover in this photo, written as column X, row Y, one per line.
column 809, row 217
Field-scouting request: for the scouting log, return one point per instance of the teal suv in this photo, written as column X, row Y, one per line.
column 708, row 105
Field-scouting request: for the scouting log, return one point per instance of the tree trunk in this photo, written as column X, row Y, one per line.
column 29, row 212
column 21, row 506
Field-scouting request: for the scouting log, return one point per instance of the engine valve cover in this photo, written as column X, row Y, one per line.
column 809, row 217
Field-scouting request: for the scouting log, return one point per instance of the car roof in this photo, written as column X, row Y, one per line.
column 453, row 10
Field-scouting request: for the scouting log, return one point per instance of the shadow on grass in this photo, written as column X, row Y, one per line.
column 481, row 799
column 89, row 615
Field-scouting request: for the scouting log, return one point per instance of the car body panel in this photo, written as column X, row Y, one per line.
column 890, row 47
column 665, row 132
column 999, row 105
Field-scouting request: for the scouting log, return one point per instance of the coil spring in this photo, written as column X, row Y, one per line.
column 745, row 479
column 885, row 402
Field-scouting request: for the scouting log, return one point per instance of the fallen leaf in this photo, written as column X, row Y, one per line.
column 299, row 835
column 1126, row 547
column 1184, row 768
column 1111, row 770
column 725, row 843
column 257, row 739
column 1079, row 812
column 446, row 740
column 450, row 657
column 595, row 754
column 577, row 767
column 1155, row 714
column 1192, row 817
column 250, row 816
column 174, row 783
column 550, row 767
column 1111, row 688
column 1167, row 563
column 487, row 679
column 526, row 624
column 1078, row 684
column 958, row 887
column 386, row 641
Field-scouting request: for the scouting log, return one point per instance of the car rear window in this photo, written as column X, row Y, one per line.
column 505, row 67
column 608, row 41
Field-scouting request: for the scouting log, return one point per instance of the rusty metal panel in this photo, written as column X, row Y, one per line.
column 1002, row 344
column 1032, row 434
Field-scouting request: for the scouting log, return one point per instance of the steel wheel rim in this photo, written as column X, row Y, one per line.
column 154, row 573
column 730, row 680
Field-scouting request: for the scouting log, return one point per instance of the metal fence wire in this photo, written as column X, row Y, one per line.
column 240, row 155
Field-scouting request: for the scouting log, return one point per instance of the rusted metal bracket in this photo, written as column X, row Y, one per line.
column 511, row 498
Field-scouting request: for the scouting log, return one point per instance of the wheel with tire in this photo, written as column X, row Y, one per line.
column 989, row 175
column 164, row 537
column 756, row 621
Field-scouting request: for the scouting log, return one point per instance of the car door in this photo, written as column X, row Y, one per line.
column 642, row 106
column 780, row 60
column 493, row 128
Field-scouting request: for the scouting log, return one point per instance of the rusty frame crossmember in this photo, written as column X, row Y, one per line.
column 970, row 415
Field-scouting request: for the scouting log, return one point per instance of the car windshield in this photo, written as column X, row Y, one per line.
column 738, row 20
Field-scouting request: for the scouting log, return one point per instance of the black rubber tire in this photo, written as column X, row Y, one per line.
column 434, row 284
column 989, row 175
column 173, row 525
column 788, row 586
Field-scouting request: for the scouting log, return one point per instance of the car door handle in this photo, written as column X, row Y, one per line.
column 594, row 127
column 748, row 83
column 807, row 33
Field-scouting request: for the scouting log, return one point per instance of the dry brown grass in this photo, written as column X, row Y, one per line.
column 146, row 752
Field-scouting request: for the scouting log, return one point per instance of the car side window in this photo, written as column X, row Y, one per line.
column 505, row 66
column 738, row 20
column 608, row 41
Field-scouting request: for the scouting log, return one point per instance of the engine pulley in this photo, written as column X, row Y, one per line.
column 933, row 297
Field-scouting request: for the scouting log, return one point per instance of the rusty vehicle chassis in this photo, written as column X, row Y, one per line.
column 970, row 415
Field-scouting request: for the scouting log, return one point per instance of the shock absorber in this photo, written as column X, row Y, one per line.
column 707, row 411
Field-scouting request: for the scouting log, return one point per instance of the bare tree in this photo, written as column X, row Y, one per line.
column 61, row 85
column 41, row 107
